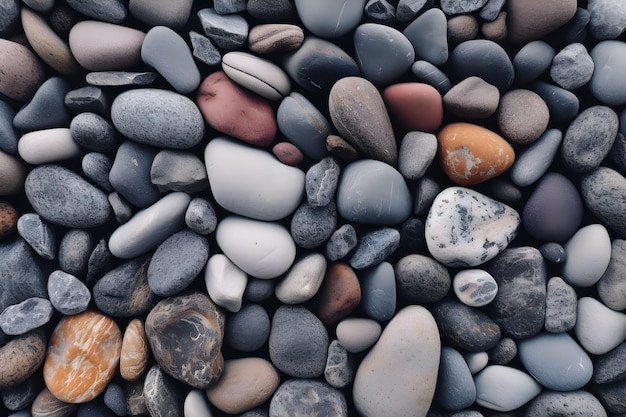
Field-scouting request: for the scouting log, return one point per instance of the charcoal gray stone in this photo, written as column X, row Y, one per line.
column 94, row 132
column 67, row 293
column 378, row 292
column 174, row 170
column 40, row 235
column 380, row 11
column 324, row 399
column 122, row 209
column 407, row 10
column 312, row 226
column 258, row 289
column 572, row 67
column 112, row 11
column 229, row 32
column 97, row 167
column 248, row 329
column 9, row 16
column 62, row 197
column 553, row 252
column 99, row 262
column 374, row 247
column 21, row 396
column 617, row 154
column 504, row 352
column 612, row 397
column 412, row 236
column 115, row 399
column 200, row 216
column 273, row 11
column 482, row 58
column 431, row 75
column 161, row 394
column 573, row 403
column 339, row 371
column 425, row 192
column 173, row 14
column 203, row 50
column 455, row 386
column 321, row 182
column 22, row 274
column 612, row 284
column 120, row 78
column 46, row 109
column 130, row 173
column 8, row 135
column 341, row 242
column 604, row 193
column 421, row 279
column 28, row 315
column 563, row 104
column 429, row 36
column 533, row 60
column 611, row 366
column 88, row 99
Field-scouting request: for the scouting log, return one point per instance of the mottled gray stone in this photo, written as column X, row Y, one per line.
column 429, row 36
column 504, row 352
column 407, row 10
column 174, row 170
column 200, row 216
column 203, row 49
column 39, row 234
column 532, row 60
column 120, row 78
column 339, row 370
column 161, row 395
column 130, row 173
column 321, row 182
column 248, row 329
column 28, row 315
column 612, row 397
column 113, row 11
column 421, row 280
column 380, row 11
column 455, row 386
column 611, row 366
column 312, row 226
column 229, row 32
column 298, row 342
column 573, row 403
column 122, row 209
column 97, row 167
column 612, row 285
column 617, row 154
column 62, row 197
column 520, row 305
column 604, row 193
column 431, row 75
column 94, row 132
column 373, row 247
column 417, row 151
column 341, row 242
column 572, row 67
column 115, row 399
column 378, row 292
column 67, row 293
column 324, row 400
column 22, row 274
column 88, row 99
column 607, row 18
column 452, row 7
column 46, row 109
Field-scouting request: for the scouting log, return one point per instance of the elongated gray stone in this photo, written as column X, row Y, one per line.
column 120, row 78
column 28, row 315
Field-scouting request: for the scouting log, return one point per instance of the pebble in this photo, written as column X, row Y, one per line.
column 13, row 172
column 21, row 357
column 399, row 374
column 97, row 167
column 589, row 139
column 358, row 334
column 553, row 252
column 372, row 192
column 611, row 286
column 258, row 289
column 495, row 30
column 519, row 306
column 95, row 133
column 420, row 279
column 374, row 247
column 10, row 17
column 340, row 148
column 177, row 262
column 321, row 181
column 451, row 7
column 229, row 32
column 611, row 396
column 533, row 60
column 457, row 238
column 303, row 279
column 271, row 10
column 174, row 170
column 203, row 49
column 84, row 347
column 258, row 75
column 8, row 134
column 554, row 210
column 339, row 294
column 39, row 234
column 339, row 371
column 235, row 111
column 114, row 11
column 99, row 262
column 464, row 327
column 48, row 145
column 598, row 328
column 378, row 62
column 28, row 315
column 531, row 20
column 380, row 11
column 244, row 384
column 275, row 37
column 609, row 368
column 588, row 254
column 225, row 283
column 378, row 292
column 602, row 191
column 462, row 28
column 522, row 127
column 503, row 388
column 46, row 403
column 604, row 85
column 135, row 351
column 159, row 393
column 472, row 98
column 572, row 67
column 455, row 386
column 607, row 19
column 68, row 295
column 173, row 14
column 533, row 162
column 102, row 46
column 262, row 249
column 430, row 74
column 248, row 329
column 298, row 342
column 474, row 287
column 8, row 220
column 428, row 35
column 504, row 352
column 200, row 216
column 417, row 106
column 185, row 334
column 22, row 71
column 556, row 361
column 417, row 151
column 115, row 399
column 407, row 10
column 322, row 399
column 561, row 306
column 471, row 154
column 482, row 58
column 328, row 19
column 46, row 109
column 122, row 209
column 476, row 361
column 563, row 104
column 551, row 404
column 124, row 291
column 196, row 404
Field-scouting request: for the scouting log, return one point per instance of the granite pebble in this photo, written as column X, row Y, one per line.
column 68, row 294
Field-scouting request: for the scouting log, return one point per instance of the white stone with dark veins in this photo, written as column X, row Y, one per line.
column 465, row 228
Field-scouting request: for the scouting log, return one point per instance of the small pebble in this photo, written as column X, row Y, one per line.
column 474, row 287
column 67, row 293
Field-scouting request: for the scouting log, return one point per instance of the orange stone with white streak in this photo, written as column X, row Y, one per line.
column 471, row 154
column 82, row 357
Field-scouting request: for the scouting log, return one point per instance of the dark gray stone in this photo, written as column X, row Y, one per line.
column 339, row 371
column 62, row 197
column 323, row 400
column 94, row 132
column 412, row 236
column 298, row 342
column 229, row 32
column 46, row 109
column 67, row 293
column 258, row 289
column 9, row 16
column 374, row 247
column 115, row 399
column 421, row 279
column 39, row 234
column 572, row 404
column 576, row 29
column 200, row 216
column 203, row 49
column 431, row 75
column 482, row 58
column 380, row 11
column 504, row 352
column 248, row 329
column 563, row 104
column 321, row 182
column 533, row 60
column 94, row 408
column 42, row 6
column 604, row 193
column 617, row 154
column 120, row 78
column 407, row 10
column 610, row 367
column 124, row 291
column 452, row 7
column 572, row 67
column 229, row 6
column 112, row 11
column 274, row 11
column 612, row 396
column 135, row 401
column 612, row 284
column 122, row 209
column 97, row 167
column 130, row 173
column 21, row 396
column 312, row 226
column 8, row 135
column 161, row 395
column 174, row 170
column 378, row 292
column 425, row 193
column 429, row 36
column 465, row 327
column 88, row 99
column 99, row 262
column 520, row 305
column 553, row 252
column 455, row 386
column 472, row 98
column 28, row 315
column 341, row 242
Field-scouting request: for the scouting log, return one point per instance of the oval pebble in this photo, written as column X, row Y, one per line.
column 358, row 334
column 417, row 106
column 302, row 280
column 248, row 329
column 598, row 328
column 502, row 388
column 49, row 145
column 329, row 19
column 563, row 104
column 533, row 162
column 135, row 351
column 22, row 72
column 588, row 253
column 28, row 315
column 522, row 127
column 378, row 292
column 532, row 60
column 605, row 84
column 21, row 357
column 114, row 11
column 256, row 74
column 474, row 287
column 67, row 293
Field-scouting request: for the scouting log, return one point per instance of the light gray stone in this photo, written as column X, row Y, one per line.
column 174, row 170
column 67, row 293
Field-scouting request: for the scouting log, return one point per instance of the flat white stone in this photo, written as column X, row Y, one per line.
column 196, row 404
column 256, row 74
column 357, row 334
column 598, row 328
column 475, row 287
column 503, row 388
column 150, row 226
column 398, row 375
column 48, row 145
column 588, row 253
column 225, row 282
column 251, row 182
column 261, row 249
column 302, row 280
column 476, row 361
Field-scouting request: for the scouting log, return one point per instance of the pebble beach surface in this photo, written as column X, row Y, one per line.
column 285, row 208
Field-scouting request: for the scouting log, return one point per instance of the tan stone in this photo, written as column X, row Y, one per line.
column 21, row 72
column 83, row 355
column 245, row 384
column 273, row 38
column 135, row 351
column 471, row 154
column 21, row 357
column 47, row 405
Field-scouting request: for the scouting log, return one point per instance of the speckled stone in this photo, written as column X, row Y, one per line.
column 522, row 127
column 40, row 235
column 323, row 399
column 340, row 368
column 561, row 303
column 420, row 279
column 21, row 357
column 612, row 285
column 552, row 403
column 604, row 193
column 22, row 71
column 474, row 287
column 312, row 226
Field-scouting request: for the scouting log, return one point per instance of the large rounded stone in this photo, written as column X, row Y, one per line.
column 606, row 85
column 185, row 333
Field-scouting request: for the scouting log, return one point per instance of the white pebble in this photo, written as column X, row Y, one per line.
column 475, row 287
column 588, row 253
column 302, row 280
column 225, row 282
column 49, row 145
column 598, row 328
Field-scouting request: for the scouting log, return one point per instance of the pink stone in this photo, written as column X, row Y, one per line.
column 288, row 153
column 417, row 106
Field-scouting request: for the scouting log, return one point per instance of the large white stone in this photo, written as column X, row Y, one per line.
column 598, row 328
column 225, row 282
column 399, row 374
column 48, row 145
column 250, row 181
column 588, row 253
column 302, row 280
column 261, row 249
column 503, row 388
column 150, row 226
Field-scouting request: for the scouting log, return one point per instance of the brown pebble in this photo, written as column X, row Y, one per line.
column 274, row 38
column 462, row 28
column 135, row 351
column 533, row 19
column 21, row 72
column 339, row 147
column 21, row 357
column 288, row 153
column 472, row 98
column 8, row 219
column 496, row 30
column 338, row 296
column 522, row 116
column 47, row 405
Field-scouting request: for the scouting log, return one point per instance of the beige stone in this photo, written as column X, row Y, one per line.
column 135, row 351
column 21, row 357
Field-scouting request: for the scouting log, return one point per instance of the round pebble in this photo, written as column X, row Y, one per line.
column 474, row 287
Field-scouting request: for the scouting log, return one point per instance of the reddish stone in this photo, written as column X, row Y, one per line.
column 338, row 296
column 8, row 219
column 288, row 153
column 417, row 106
column 235, row 111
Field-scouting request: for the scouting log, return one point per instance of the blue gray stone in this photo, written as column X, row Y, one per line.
column 380, row 11
column 229, row 6
column 604, row 193
column 606, row 85
column 504, row 352
column 173, row 14
column 174, row 170
column 203, row 50
column 378, row 292
column 572, row 67
column 329, row 19
column 407, row 10
column 482, row 58
column 574, row 403
column 120, row 78
column 97, row 167
column 67, row 293
column 115, row 399
column 94, row 132
column 258, row 289
column 248, row 329
column 122, row 209
column 431, row 75
column 46, row 109
column 200, row 216
column 229, row 32
column 374, row 247
column 88, row 99
column 576, row 29
column 40, row 235
column 617, row 154
column 607, row 18
column 324, row 400
column 62, row 197
column 112, row 11
column 563, row 104
column 8, row 135
column 312, row 226
column 177, row 262
column 532, row 60
column 553, row 252
column 429, row 36
column 130, row 173
column 339, row 371
column 341, row 242
column 298, row 342
column 28, row 315
column 455, row 386
column 21, row 396
column 491, row 10
column 9, row 17
column 321, row 181
column 533, row 162
column 94, row 408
